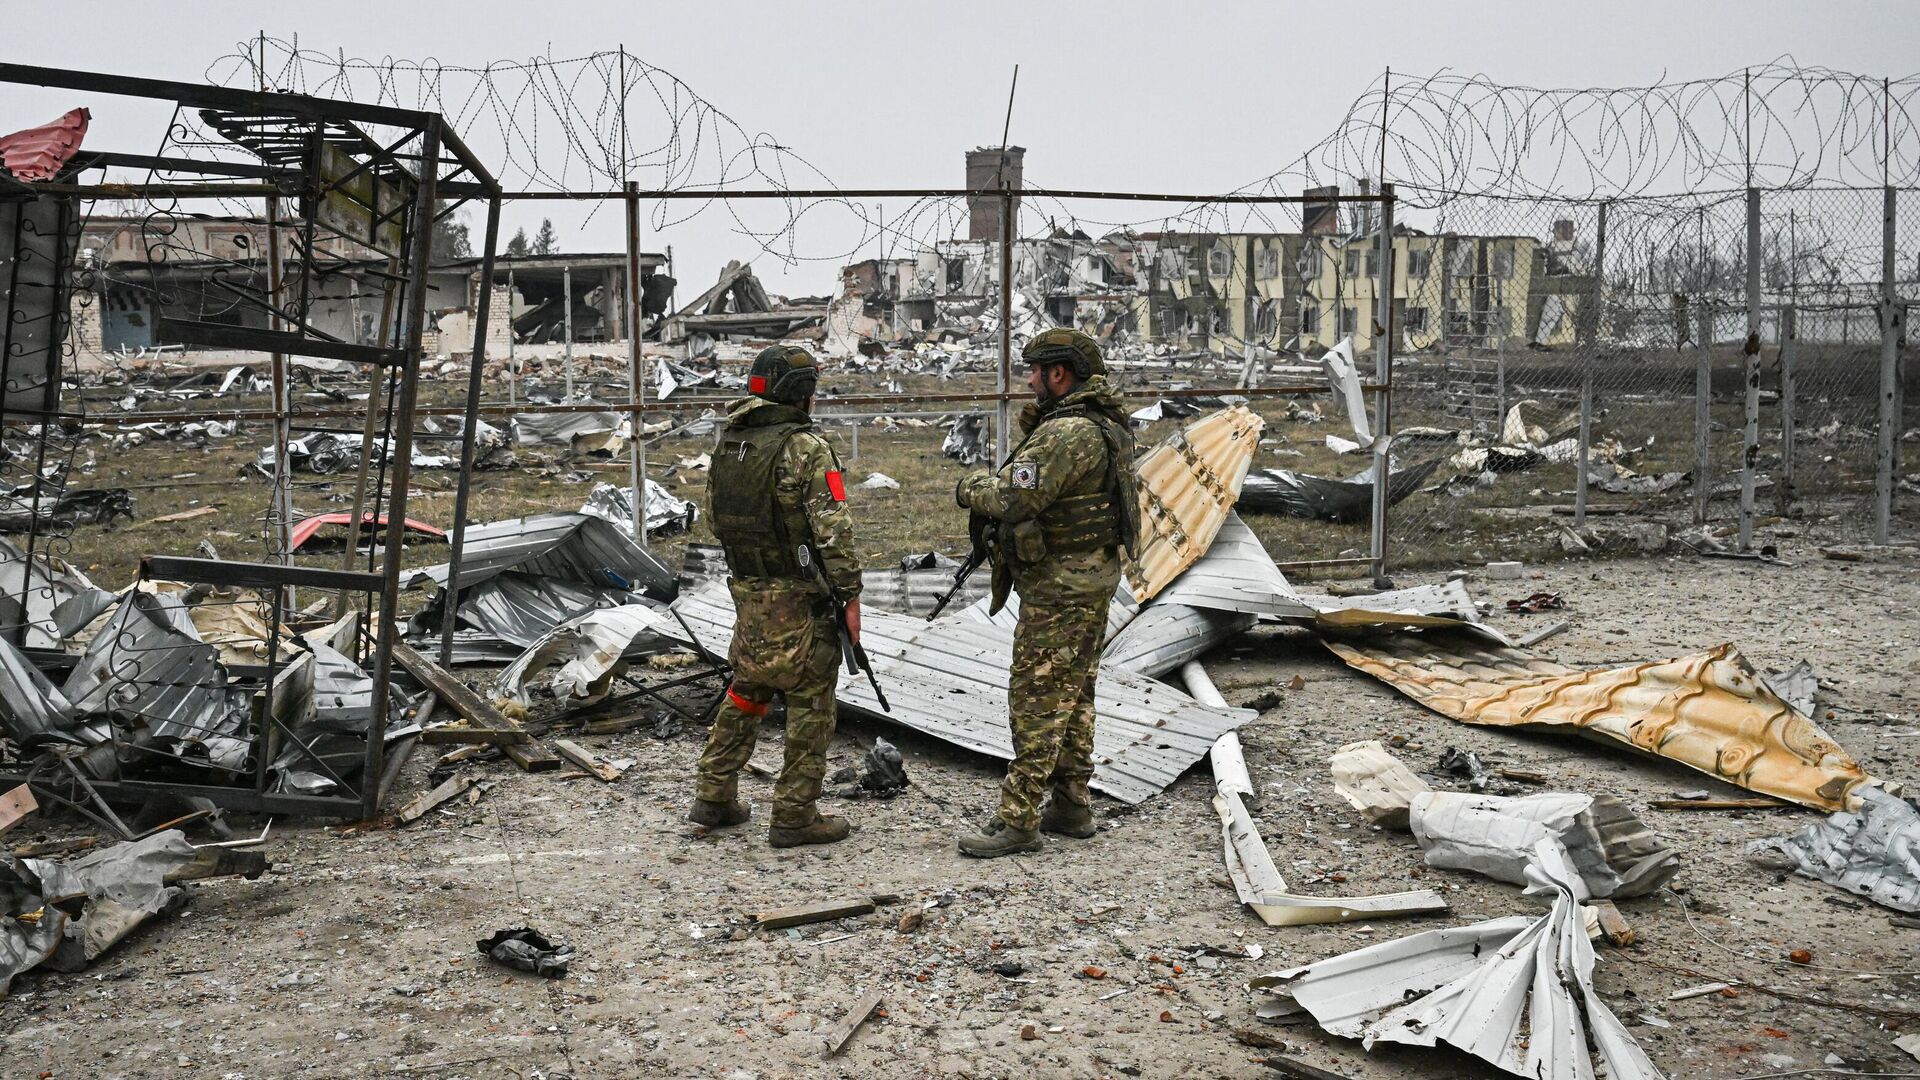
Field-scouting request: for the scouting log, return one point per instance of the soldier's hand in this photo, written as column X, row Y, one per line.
column 853, row 620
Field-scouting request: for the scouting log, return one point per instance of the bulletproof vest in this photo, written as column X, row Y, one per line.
column 1107, row 517
column 757, row 532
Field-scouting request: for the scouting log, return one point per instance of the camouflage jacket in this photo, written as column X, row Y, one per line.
column 807, row 481
column 1055, row 460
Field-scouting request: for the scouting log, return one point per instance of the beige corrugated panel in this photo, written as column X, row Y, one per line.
column 1187, row 485
column 1709, row 711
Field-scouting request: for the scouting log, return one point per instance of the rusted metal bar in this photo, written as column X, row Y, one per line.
column 420, row 256
column 457, row 540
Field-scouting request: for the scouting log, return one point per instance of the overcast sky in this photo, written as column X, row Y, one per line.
column 1187, row 97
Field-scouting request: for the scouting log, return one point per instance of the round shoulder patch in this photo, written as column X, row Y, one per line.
column 1024, row 475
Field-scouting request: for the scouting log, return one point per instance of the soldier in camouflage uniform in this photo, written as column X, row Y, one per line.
column 779, row 506
column 1064, row 505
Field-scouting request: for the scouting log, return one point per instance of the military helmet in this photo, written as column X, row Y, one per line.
column 783, row 373
column 1063, row 346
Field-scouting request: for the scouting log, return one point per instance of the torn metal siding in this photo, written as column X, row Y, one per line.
column 1874, row 852
column 949, row 680
column 1709, row 711
column 1236, row 574
column 1164, row 636
column 570, row 546
column 1187, row 485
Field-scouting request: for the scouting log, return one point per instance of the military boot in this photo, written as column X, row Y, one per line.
column 999, row 838
column 826, row 829
column 1064, row 817
column 718, row 815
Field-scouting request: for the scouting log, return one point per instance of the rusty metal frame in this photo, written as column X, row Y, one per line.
column 285, row 131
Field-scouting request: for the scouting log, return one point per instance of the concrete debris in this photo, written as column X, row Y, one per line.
column 1516, row 992
column 527, row 949
column 666, row 514
column 1614, row 853
column 1709, row 711
column 1255, row 877
column 1375, row 783
column 1873, row 851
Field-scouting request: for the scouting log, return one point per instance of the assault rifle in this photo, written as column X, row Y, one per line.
column 854, row 653
column 979, row 527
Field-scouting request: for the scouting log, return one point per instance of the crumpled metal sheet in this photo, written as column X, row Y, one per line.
column 570, row 546
column 590, row 649
column 148, row 667
column 1709, row 711
column 1873, row 852
column 1515, row 992
column 948, row 679
column 666, row 513
column 59, row 598
column 966, row 440
column 1614, row 853
column 1375, row 783
column 132, row 875
column 560, row 429
column 1187, row 485
column 1303, row 495
column 1250, row 865
column 1235, row 573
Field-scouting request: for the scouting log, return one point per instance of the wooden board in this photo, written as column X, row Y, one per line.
column 474, row 709
column 1720, row 804
column 586, row 759
column 781, row 918
column 424, row 802
column 15, row 805
column 842, row 1033
column 467, row 733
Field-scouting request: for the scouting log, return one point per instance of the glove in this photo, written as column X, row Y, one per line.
column 1029, row 416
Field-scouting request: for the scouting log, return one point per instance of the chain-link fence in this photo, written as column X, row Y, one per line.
column 1635, row 312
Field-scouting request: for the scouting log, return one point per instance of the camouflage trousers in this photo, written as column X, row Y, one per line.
column 808, row 688
column 1056, row 656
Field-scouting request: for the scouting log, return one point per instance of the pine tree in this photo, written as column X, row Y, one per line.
column 450, row 238
column 518, row 245
column 545, row 242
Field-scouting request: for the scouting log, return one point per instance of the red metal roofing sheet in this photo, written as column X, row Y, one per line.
column 38, row 152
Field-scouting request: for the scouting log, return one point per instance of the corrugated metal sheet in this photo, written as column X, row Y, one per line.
column 1187, row 485
column 37, row 153
column 1164, row 636
column 1515, row 992
column 1237, row 574
column 588, row 647
column 568, row 546
column 949, row 680
column 1709, row 711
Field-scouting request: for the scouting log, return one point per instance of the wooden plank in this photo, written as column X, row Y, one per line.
column 1542, row 634
column 54, row 847
column 586, row 759
column 1525, row 776
column 531, row 756
column 781, row 918
column 466, row 733
column 1721, row 804
column 184, row 515
column 419, row 806
column 842, row 1033
column 474, row 709
column 1613, row 925
column 15, row 805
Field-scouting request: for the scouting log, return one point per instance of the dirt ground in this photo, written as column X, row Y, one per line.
column 355, row 956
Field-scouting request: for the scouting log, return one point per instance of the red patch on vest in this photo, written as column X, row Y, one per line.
column 835, row 485
column 757, row 384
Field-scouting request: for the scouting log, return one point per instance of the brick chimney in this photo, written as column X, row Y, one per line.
column 987, row 169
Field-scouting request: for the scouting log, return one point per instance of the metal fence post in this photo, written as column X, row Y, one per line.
column 1750, row 442
column 1500, row 391
column 469, row 431
column 1586, row 450
column 1889, row 378
column 636, row 370
column 1789, row 345
column 1383, row 378
column 1000, row 411
column 1703, row 417
column 566, row 346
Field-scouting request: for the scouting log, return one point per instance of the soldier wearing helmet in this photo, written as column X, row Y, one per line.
column 1065, row 508
column 779, row 507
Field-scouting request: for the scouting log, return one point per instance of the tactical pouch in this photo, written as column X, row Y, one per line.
column 1029, row 542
